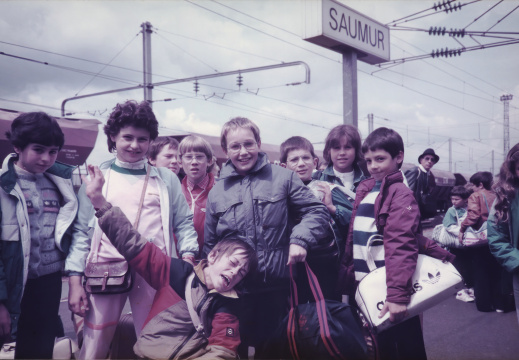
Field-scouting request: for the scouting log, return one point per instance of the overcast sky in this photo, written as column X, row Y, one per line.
column 426, row 101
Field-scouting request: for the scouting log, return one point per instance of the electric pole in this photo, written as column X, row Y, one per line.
column 506, row 124
column 450, row 154
column 146, row 61
column 370, row 123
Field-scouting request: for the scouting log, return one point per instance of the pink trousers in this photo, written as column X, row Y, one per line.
column 104, row 313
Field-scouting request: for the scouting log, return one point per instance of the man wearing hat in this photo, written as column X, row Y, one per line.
column 421, row 182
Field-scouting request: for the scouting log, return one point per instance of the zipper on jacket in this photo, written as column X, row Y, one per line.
column 191, row 334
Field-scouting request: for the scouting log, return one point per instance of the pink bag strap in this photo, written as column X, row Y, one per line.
column 320, row 306
column 96, row 241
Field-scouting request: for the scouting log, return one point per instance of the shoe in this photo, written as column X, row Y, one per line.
column 470, row 292
column 463, row 296
column 500, row 311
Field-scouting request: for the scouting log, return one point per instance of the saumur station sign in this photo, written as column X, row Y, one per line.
column 335, row 26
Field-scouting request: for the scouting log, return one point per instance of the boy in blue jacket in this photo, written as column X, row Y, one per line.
column 38, row 206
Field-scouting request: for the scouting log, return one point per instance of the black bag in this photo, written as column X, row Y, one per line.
column 323, row 329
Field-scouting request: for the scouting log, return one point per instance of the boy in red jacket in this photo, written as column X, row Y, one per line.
column 386, row 210
column 209, row 328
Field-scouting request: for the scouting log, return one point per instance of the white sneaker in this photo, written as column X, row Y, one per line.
column 464, row 296
column 470, row 291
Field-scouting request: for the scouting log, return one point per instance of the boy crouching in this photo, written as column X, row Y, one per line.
column 170, row 330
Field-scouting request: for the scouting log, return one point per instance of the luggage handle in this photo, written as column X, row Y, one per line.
column 321, row 315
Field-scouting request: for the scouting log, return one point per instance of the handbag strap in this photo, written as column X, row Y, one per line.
column 484, row 197
column 189, row 300
column 322, row 316
column 370, row 260
column 141, row 201
column 96, row 242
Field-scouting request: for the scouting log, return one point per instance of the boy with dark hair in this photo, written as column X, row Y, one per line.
column 194, row 314
column 386, row 216
column 297, row 154
column 457, row 212
column 164, row 153
column 38, row 207
column 452, row 221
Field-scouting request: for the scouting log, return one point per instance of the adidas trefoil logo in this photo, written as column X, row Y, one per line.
column 433, row 279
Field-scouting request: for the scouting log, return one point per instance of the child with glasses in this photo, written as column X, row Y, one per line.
column 196, row 157
column 259, row 203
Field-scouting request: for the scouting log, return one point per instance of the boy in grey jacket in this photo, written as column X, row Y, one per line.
column 269, row 208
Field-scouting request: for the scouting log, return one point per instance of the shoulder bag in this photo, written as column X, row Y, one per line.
column 433, row 282
column 111, row 277
column 323, row 329
column 448, row 237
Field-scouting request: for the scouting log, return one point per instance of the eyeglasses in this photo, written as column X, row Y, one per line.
column 189, row 158
column 248, row 145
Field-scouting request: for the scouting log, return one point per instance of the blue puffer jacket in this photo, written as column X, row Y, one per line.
column 16, row 233
column 261, row 209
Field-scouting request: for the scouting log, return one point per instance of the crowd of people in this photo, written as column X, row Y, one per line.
column 210, row 251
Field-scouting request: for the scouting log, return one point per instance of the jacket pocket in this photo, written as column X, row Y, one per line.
column 10, row 233
column 272, row 210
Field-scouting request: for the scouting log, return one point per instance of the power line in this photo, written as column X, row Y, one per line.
column 262, row 32
column 255, row 18
column 480, row 16
column 498, row 21
column 106, row 65
column 188, row 53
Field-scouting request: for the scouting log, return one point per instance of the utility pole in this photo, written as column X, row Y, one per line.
column 370, row 123
column 349, row 88
column 492, row 171
column 506, row 126
column 148, row 86
column 146, row 61
column 450, row 154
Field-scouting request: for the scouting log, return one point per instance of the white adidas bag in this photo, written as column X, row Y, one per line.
column 433, row 282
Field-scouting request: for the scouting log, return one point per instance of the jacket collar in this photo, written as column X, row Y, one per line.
column 8, row 177
column 390, row 179
column 357, row 172
column 228, row 169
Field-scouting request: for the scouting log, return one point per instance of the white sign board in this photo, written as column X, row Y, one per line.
column 335, row 26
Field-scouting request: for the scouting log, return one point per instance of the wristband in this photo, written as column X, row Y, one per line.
column 99, row 213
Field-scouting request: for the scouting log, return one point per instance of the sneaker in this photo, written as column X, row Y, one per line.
column 500, row 311
column 470, row 291
column 463, row 296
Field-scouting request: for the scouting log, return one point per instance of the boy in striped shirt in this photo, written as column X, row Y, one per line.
column 385, row 222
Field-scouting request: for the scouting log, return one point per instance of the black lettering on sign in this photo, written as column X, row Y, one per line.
column 343, row 24
column 334, row 26
column 380, row 39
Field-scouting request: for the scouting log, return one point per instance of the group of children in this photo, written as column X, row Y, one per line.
column 191, row 244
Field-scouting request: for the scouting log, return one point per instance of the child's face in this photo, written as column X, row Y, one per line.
column 131, row 143
column 302, row 163
column 167, row 157
column 195, row 165
column 458, row 202
column 224, row 273
column 343, row 156
column 36, row 158
column 380, row 163
column 242, row 149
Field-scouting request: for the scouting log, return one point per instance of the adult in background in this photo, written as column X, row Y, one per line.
column 421, row 182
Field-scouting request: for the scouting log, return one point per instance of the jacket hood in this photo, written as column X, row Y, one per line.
column 228, row 169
